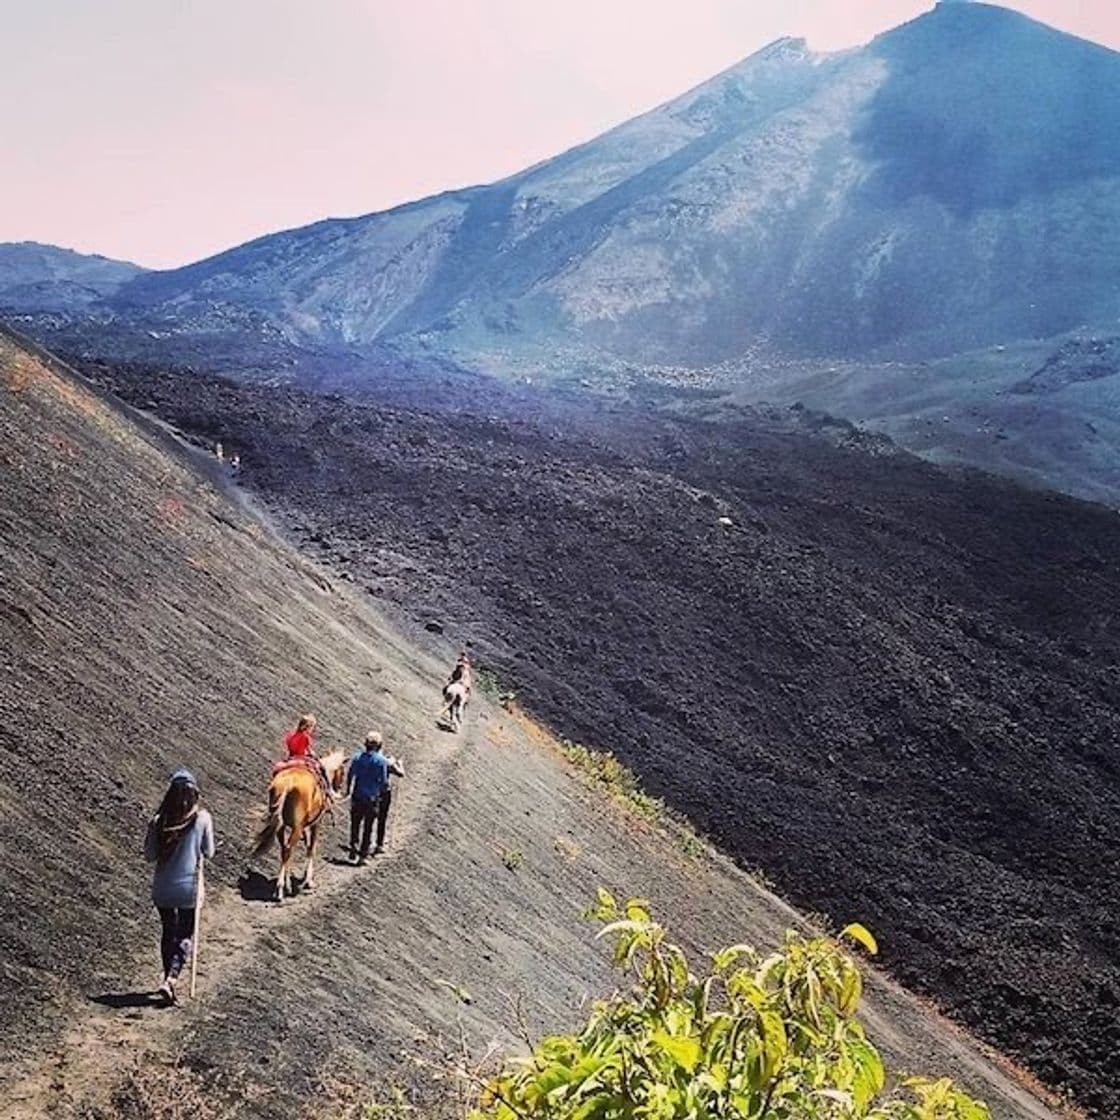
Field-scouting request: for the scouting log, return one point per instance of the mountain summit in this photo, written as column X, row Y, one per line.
column 952, row 186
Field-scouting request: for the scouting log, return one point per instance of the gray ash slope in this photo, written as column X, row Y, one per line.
column 892, row 688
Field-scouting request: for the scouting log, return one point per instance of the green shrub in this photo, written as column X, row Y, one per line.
column 488, row 684
column 603, row 769
column 621, row 782
column 753, row 1037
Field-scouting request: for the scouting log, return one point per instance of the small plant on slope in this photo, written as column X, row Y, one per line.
column 621, row 782
column 755, row 1037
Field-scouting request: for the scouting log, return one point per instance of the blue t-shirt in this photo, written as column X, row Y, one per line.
column 369, row 775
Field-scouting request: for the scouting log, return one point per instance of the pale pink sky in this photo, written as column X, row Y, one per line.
column 161, row 131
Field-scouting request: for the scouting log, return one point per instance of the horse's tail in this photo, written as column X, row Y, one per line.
column 272, row 826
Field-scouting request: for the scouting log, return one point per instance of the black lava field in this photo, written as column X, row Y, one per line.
column 893, row 689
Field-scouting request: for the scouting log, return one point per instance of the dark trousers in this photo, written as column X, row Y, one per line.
column 383, row 804
column 363, row 812
column 175, row 944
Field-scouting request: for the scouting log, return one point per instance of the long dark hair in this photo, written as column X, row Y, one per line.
column 176, row 814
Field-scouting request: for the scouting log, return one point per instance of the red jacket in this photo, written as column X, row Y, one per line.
column 298, row 744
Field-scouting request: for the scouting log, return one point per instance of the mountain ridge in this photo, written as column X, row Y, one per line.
column 951, row 188
column 36, row 276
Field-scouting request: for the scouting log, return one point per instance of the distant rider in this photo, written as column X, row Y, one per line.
column 462, row 673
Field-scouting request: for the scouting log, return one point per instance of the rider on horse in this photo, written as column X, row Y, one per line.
column 461, row 672
column 299, row 746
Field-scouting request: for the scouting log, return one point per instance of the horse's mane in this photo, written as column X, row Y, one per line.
column 333, row 760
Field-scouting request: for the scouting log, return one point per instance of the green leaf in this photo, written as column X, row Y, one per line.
column 623, row 926
column 637, row 910
column 770, row 968
column 851, row 991
column 774, row 1043
column 726, row 959
column 870, row 1075
column 684, row 1051
column 862, row 936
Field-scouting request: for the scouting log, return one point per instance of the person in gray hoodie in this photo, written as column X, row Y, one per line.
column 180, row 836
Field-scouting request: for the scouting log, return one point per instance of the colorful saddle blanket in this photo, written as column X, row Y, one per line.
column 298, row 763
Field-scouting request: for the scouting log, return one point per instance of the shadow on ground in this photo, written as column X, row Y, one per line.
column 120, row 1000
column 255, row 887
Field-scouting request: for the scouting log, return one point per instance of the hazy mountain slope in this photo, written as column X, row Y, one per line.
column 904, row 234
column 948, row 189
column 950, row 185
column 36, row 277
column 1046, row 413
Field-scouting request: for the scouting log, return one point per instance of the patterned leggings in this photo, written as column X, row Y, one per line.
column 175, row 944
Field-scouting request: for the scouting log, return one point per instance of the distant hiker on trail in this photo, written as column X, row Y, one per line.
column 180, row 836
column 368, row 781
column 299, row 746
column 457, row 691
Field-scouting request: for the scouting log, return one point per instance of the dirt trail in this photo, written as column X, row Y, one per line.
column 145, row 621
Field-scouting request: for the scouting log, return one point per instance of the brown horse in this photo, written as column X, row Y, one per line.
column 296, row 804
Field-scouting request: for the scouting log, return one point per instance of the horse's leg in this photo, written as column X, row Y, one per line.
column 293, row 843
column 310, row 838
column 282, row 875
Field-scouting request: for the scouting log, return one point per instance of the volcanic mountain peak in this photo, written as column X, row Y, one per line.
column 895, row 195
column 948, row 189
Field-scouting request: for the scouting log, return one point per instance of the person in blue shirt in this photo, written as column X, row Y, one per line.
column 367, row 783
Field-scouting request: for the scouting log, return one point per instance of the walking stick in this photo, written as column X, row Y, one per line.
column 197, row 923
